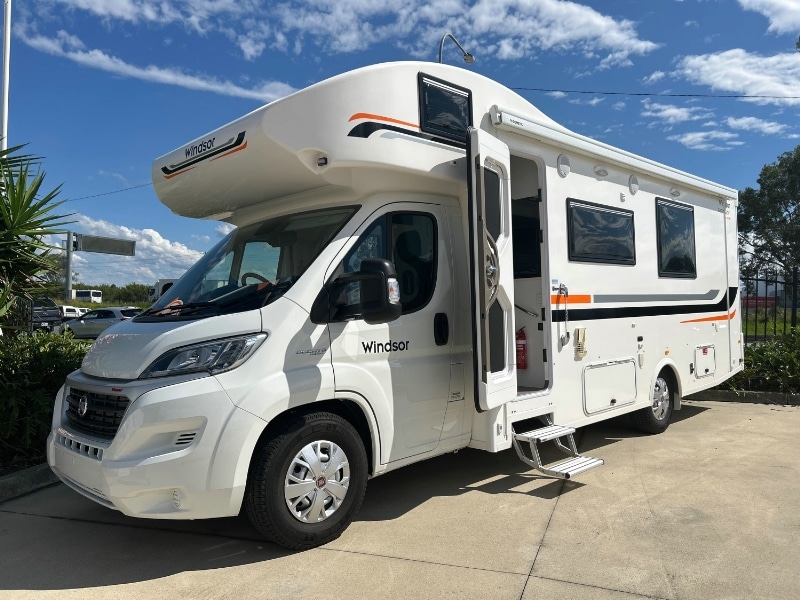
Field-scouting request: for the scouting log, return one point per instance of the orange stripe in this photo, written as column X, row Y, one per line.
column 178, row 173
column 380, row 118
column 229, row 152
column 572, row 299
column 714, row 318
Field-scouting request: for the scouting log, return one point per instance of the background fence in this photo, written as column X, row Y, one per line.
column 769, row 305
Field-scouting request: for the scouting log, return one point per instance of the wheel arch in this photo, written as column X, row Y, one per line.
column 350, row 410
column 670, row 369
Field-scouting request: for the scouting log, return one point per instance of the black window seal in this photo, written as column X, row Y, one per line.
column 679, row 205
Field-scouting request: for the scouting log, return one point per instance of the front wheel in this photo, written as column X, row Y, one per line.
column 308, row 481
column 655, row 418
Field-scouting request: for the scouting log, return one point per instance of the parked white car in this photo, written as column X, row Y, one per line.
column 68, row 312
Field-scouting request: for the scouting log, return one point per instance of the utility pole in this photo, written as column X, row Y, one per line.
column 6, row 69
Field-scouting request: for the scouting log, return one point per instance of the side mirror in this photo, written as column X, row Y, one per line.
column 379, row 295
column 380, row 291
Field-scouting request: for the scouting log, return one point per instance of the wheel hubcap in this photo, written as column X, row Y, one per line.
column 317, row 481
column 660, row 398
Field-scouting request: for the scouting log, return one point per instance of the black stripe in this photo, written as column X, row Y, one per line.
column 367, row 128
column 593, row 314
column 201, row 157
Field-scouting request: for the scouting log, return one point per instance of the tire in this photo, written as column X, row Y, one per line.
column 655, row 418
column 293, row 500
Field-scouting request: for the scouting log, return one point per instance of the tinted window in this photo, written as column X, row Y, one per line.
column 525, row 227
column 600, row 234
column 676, row 249
column 445, row 109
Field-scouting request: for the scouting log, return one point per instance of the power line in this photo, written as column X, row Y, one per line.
column 662, row 94
column 135, row 187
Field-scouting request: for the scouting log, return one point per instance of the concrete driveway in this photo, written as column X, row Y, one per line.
column 708, row 510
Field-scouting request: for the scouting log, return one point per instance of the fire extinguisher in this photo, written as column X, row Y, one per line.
column 522, row 349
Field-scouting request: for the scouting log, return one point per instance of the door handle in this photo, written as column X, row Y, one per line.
column 441, row 329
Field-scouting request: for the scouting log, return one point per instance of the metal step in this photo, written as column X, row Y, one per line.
column 563, row 470
column 573, row 466
column 545, row 434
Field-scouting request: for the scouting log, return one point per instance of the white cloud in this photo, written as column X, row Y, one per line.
column 755, row 124
column 705, row 140
column 654, row 77
column 224, row 229
column 194, row 13
column 739, row 72
column 557, row 95
column 155, row 256
column 672, row 114
column 502, row 29
column 783, row 15
column 592, row 102
column 71, row 48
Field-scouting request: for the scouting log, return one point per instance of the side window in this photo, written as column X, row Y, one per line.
column 676, row 248
column 414, row 255
column 600, row 234
column 526, row 226
column 409, row 241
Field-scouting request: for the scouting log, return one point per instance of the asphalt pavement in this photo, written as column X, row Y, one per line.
column 707, row 510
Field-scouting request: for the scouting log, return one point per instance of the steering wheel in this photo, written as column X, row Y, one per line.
column 250, row 274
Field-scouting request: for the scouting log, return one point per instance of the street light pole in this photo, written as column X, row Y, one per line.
column 6, row 65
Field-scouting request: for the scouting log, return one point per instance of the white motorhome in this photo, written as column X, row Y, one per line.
column 423, row 262
column 159, row 289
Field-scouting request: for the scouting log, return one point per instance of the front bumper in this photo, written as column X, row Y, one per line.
column 181, row 451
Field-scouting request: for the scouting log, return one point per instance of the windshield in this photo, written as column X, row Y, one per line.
column 252, row 267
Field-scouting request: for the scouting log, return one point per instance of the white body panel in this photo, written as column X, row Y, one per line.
column 598, row 334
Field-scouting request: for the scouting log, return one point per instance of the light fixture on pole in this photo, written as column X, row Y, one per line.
column 468, row 58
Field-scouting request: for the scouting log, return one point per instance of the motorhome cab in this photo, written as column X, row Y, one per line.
column 423, row 262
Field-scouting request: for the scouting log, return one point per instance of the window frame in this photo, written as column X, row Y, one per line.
column 659, row 246
column 597, row 258
column 426, row 125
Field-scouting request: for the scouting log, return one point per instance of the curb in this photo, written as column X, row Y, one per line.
column 746, row 396
column 25, row 481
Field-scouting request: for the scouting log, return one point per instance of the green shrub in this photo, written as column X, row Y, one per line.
column 772, row 366
column 32, row 369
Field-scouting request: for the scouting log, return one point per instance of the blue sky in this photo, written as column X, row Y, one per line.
column 100, row 88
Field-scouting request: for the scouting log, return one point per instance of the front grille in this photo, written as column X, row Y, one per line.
column 98, row 415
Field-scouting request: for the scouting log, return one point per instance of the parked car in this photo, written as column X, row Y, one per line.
column 94, row 322
column 68, row 312
column 43, row 314
column 82, row 311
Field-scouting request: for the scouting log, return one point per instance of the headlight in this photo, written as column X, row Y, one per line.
column 212, row 357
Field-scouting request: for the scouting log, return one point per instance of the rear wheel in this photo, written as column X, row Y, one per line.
column 308, row 481
column 655, row 418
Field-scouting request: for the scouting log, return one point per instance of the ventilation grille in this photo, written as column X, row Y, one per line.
column 184, row 439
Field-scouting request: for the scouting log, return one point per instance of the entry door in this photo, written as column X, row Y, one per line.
column 402, row 368
column 492, row 270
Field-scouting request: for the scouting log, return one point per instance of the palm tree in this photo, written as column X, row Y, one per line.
column 26, row 220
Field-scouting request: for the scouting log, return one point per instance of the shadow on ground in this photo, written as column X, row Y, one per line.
column 79, row 544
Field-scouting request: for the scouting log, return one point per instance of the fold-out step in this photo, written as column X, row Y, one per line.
column 563, row 470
